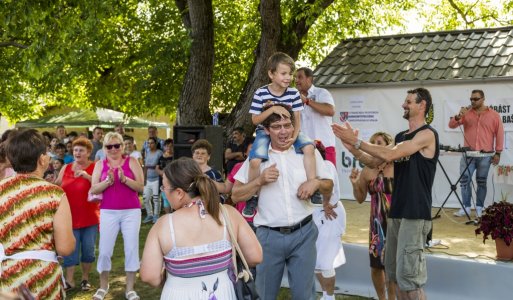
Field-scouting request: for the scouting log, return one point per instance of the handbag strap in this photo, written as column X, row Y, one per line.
column 235, row 245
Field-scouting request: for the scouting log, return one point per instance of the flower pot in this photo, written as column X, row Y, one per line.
column 504, row 252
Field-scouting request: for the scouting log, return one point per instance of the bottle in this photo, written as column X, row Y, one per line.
column 215, row 119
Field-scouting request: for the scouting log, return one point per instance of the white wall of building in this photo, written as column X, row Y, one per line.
column 4, row 125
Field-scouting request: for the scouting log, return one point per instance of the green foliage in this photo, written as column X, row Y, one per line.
column 125, row 55
column 132, row 55
column 464, row 14
column 351, row 18
column 237, row 30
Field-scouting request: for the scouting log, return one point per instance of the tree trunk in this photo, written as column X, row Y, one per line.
column 275, row 36
column 193, row 108
column 267, row 45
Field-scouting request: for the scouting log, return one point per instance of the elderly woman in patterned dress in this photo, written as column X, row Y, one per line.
column 36, row 221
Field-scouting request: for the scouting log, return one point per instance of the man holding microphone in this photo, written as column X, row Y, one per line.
column 483, row 131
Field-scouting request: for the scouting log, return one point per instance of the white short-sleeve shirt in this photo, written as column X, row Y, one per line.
column 315, row 125
column 278, row 204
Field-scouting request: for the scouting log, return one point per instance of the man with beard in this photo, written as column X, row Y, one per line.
column 284, row 219
column 483, row 131
column 414, row 155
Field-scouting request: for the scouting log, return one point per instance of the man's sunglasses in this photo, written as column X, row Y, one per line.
column 475, row 99
column 109, row 147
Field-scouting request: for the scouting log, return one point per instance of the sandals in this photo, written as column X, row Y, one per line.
column 132, row 295
column 100, row 294
column 67, row 286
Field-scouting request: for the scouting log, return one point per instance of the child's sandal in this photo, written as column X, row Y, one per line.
column 100, row 294
column 132, row 295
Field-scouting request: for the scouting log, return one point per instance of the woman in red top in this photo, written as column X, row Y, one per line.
column 75, row 180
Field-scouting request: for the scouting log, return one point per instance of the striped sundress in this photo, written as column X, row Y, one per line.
column 199, row 272
column 27, row 208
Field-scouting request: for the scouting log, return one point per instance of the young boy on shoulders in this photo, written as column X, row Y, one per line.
column 281, row 69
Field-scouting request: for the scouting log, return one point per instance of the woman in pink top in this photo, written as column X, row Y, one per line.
column 119, row 179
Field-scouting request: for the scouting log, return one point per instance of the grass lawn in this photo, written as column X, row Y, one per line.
column 145, row 291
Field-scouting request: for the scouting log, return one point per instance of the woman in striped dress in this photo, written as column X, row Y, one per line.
column 36, row 221
column 190, row 249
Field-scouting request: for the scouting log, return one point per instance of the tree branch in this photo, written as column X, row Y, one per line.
column 184, row 11
column 13, row 44
column 300, row 24
column 459, row 11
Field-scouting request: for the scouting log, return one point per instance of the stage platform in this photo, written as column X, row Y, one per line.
column 461, row 267
column 457, row 238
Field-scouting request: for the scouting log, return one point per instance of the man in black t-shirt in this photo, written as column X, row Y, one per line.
column 236, row 149
column 415, row 155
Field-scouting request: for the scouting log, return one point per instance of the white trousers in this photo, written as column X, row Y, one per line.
column 111, row 222
column 151, row 193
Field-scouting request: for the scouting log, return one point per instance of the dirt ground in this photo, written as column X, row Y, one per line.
column 457, row 238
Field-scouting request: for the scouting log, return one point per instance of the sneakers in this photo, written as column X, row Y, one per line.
column 148, row 219
column 479, row 211
column 155, row 218
column 433, row 243
column 249, row 210
column 461, row 212
column 84, row 285
column 316, row 198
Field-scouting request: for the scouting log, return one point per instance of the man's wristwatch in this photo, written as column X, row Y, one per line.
column 357, row 144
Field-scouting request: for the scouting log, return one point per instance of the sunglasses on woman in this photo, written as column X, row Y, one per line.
column 116, row 146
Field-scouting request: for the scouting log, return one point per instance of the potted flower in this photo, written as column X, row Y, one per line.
column 497, row 222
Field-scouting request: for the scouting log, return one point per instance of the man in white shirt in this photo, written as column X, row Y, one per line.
column 317, row 115
column 284, row 220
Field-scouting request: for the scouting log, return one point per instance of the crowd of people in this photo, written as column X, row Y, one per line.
column 60, row 193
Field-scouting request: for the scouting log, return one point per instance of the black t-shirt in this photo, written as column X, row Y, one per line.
column 236, row 148
column 413, row 180
column 215, row 175
column 163, row 161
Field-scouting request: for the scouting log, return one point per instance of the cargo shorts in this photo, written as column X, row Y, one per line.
column 405, row 260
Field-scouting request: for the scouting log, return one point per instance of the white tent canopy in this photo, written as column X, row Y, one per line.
column 87, row 118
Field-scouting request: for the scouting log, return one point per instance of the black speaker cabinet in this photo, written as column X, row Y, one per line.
column 185, row 136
